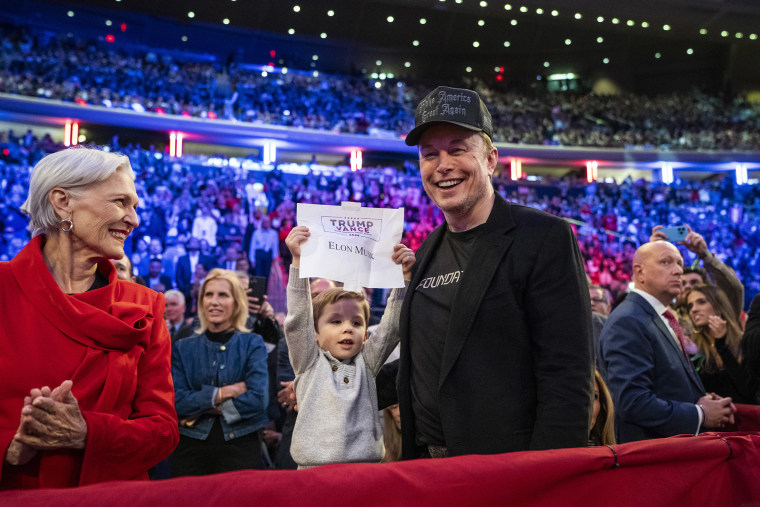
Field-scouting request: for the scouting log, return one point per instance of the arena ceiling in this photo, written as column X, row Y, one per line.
column 480, row 38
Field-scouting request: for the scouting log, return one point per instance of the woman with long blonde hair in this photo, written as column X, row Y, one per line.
column 221, row 384
column 603, row 417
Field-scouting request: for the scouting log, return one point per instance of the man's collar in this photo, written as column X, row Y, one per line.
column 653, row 301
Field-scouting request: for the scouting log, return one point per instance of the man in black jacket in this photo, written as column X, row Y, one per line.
column 496, row 342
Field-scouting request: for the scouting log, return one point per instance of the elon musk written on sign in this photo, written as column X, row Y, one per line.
column 351, row 244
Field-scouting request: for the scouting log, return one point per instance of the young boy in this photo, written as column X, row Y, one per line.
column 338, row 419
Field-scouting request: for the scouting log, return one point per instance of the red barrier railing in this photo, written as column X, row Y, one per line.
column 711, row 469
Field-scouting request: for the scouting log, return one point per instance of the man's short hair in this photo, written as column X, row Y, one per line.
column 701, row 272
column 173, row 293
column 332, row 296
column 605, row 293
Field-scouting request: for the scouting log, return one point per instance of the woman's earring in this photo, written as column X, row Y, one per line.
column 66, row 225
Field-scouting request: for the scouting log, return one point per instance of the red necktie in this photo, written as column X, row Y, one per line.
column 679, row 332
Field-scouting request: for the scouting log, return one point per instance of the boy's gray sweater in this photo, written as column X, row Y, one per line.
column 338, row 420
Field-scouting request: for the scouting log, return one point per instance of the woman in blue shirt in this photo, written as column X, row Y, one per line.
column 220, row 383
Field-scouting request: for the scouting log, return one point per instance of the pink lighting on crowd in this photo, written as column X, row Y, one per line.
column 592, row 171
column 516, row 169
column 356, row 160
column 71, row 133
column 175, row 144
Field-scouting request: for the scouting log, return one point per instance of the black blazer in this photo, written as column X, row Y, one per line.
column 517, row 367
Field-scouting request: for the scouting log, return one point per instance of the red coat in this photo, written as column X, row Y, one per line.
column 113, row 344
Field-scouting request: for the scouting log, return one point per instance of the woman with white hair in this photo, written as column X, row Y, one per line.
column 86, row 394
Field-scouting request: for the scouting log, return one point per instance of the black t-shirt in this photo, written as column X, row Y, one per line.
column 430, row 314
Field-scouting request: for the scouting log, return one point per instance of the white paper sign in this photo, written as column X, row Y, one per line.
column 351, row 244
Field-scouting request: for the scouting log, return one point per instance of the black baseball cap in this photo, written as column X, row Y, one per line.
column 457, row 106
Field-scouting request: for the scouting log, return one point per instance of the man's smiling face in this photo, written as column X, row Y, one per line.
column 456, row 171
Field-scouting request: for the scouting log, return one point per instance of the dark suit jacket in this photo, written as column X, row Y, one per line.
column 164, row 279
column 517, row 362
column 653, row 387
column 183, row 271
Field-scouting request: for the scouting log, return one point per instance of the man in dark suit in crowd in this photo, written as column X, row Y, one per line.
column 496, row 345
column 641, row 356
column 186, row 265
column 155, row 279
column 156, row 251
column 179, row 326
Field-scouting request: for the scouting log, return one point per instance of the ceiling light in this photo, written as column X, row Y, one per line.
column 578, row 15
column 546, row 64
column 475, row 44
column 496, row 69
column 666, row 27
column 615, row 21
column 513, row 22
column 190, row 14
column 689, row 51
column 739, row 35
column 291, row 31
column 423, row 21
column 483, row 3
column 600, row 39
column 378, row 62
column 507, row 7
column 600, row 19
column 323, row 35
column 606, row 61
column 374, row 75
column 539, row 11
column 568, row 42
column 753, row 36
column 507, row 43
column 630, row 22
column 226, row 21
column 296, row 8
column 658, row 55
column 644, row 24
column 703, row 31
column 331, row 13
column 555, row 13
column 315, row 73
column 523, row 9
column 109, row 22
column 724, row 33
column 468, row 69
column 389, row 19
column 184, row 38
column 415, row 43
column 481, row 22
column 315, row 57
column 407, row 64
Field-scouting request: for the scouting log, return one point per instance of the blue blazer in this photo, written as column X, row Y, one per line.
column 653, row 386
